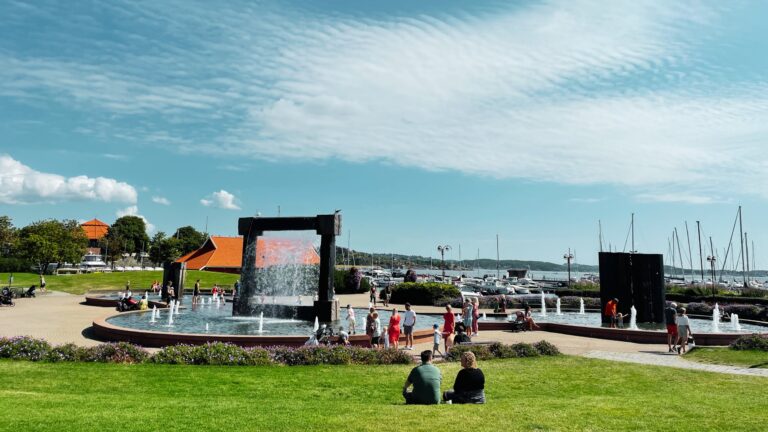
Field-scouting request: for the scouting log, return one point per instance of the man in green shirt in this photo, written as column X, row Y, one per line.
column 425, row 379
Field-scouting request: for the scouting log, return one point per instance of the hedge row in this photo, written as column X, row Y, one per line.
column 744, row 311
column 498, row 350
column 751, row 342
column 27, row 348
column 424, row 293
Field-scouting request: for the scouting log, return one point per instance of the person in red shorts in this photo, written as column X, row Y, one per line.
column 670, row 317
column 610, row 311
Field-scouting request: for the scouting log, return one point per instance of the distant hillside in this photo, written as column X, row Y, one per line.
column 360, row 258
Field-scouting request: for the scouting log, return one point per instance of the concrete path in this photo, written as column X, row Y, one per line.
column 673, row 360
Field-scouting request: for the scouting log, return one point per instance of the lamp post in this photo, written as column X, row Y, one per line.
column 568, row 257
column 442, row 249
column 712, row 259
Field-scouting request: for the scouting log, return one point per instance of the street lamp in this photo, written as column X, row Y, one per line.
column 442, row 249
column 712, row 259
column 568, row 257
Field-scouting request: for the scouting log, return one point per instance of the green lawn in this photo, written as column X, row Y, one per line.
column 727, row 356
column 557, row 393
column 140, row 280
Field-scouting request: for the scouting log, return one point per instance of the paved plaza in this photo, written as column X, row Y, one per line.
column 62, row 318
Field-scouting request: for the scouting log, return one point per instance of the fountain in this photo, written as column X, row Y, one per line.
column 633, row 318
column 543, row 305
column 206, row 327
column 716, row 319
column 316, row 327
column 176, row 306
column 485, row 318
column 261, row 322
column 557, row 307
column 170, row 318
column 581, row 306
column 735, row 322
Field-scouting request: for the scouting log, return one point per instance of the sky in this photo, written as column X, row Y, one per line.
column 425, row 123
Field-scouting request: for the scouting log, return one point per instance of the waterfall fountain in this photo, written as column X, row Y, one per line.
column 581, row 306
column 633, row 318
column 735, row 322
column 716, row 319
column 557, row 307
column 543, row 305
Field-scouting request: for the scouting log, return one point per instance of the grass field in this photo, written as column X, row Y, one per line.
column 557, row 393
column 140, row 280
column 727, row 356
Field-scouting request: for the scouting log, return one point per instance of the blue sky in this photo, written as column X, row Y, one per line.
column 425, row 122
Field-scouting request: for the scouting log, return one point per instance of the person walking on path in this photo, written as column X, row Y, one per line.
column 369, row 322
column 670, row 317
column 373, row 295
column 394, row 329
column 683, row 331
column 425, row 380
column 409, row 321
column 376, row 330
column 42, row 282
column 475, row 316
column 449, row 321
column 387, row 294
column 436, row 337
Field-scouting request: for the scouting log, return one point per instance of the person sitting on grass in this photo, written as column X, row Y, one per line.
column 425, row 380
column 469, row 387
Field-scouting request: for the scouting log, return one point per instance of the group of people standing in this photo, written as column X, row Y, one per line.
column 389, row 335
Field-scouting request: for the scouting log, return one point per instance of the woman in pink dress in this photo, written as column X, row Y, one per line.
column 475, row 316
column 449, row 321
column 394, row 329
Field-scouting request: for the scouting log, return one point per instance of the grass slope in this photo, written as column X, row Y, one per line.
column 561, row 393
column 727, row 356
column 140, row 280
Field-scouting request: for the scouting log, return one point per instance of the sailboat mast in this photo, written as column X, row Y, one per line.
column 672, row 247
column 701, row 257
column 741, row 235
column 690, row 257
column 680, row 254
column 633, row 234
column 498, row 272
column 746, row 241
column 712, row 249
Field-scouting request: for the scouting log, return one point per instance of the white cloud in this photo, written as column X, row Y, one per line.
column 221, row 199
column 568, row 91
column 21, row 184
column 160, row 200
column 134, row 211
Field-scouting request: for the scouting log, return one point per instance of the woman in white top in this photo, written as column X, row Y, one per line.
column 351, row 323
column 683, row 331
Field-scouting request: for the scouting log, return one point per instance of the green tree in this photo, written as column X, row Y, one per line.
column 189, row 239
column 8, row 235
column 50, row 241
column 164, row 249
column 131, row 231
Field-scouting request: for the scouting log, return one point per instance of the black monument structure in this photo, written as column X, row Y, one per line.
column 634, row 279
column 325, row 308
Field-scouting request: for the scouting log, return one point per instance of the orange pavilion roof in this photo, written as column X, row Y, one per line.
column 220, row 252
column 95, row 229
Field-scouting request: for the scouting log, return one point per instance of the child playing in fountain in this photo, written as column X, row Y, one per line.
column 385, row 336
column 351, row 319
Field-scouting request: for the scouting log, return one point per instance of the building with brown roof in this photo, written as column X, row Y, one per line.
column 225, row 254
column 95, row 230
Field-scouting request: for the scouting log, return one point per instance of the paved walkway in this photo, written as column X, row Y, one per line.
column 61, row 318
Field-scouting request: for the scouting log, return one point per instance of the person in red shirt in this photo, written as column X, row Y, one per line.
column 394, row 329
column 610, row 311
column 449, row 321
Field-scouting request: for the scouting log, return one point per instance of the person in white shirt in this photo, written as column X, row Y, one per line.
column 409, row 321
column 683, row 331
column 351, row 319
column 436, row 337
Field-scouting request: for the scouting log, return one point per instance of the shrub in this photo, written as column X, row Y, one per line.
column 524, row 350
column 546, row 349
column 753, row 292
column 120, row 352
column 344, row 282
column 744, row 311
column 751, row 342
column 698, row 309
column 482, row 352
column 64, row 353
column 426, row 293
column 217, row 353
column 24, row 348
column 14, row 265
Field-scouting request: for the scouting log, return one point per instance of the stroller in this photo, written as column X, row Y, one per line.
column 6, row 297
column 127, row 304
column 519, row 323
column 30, row 292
